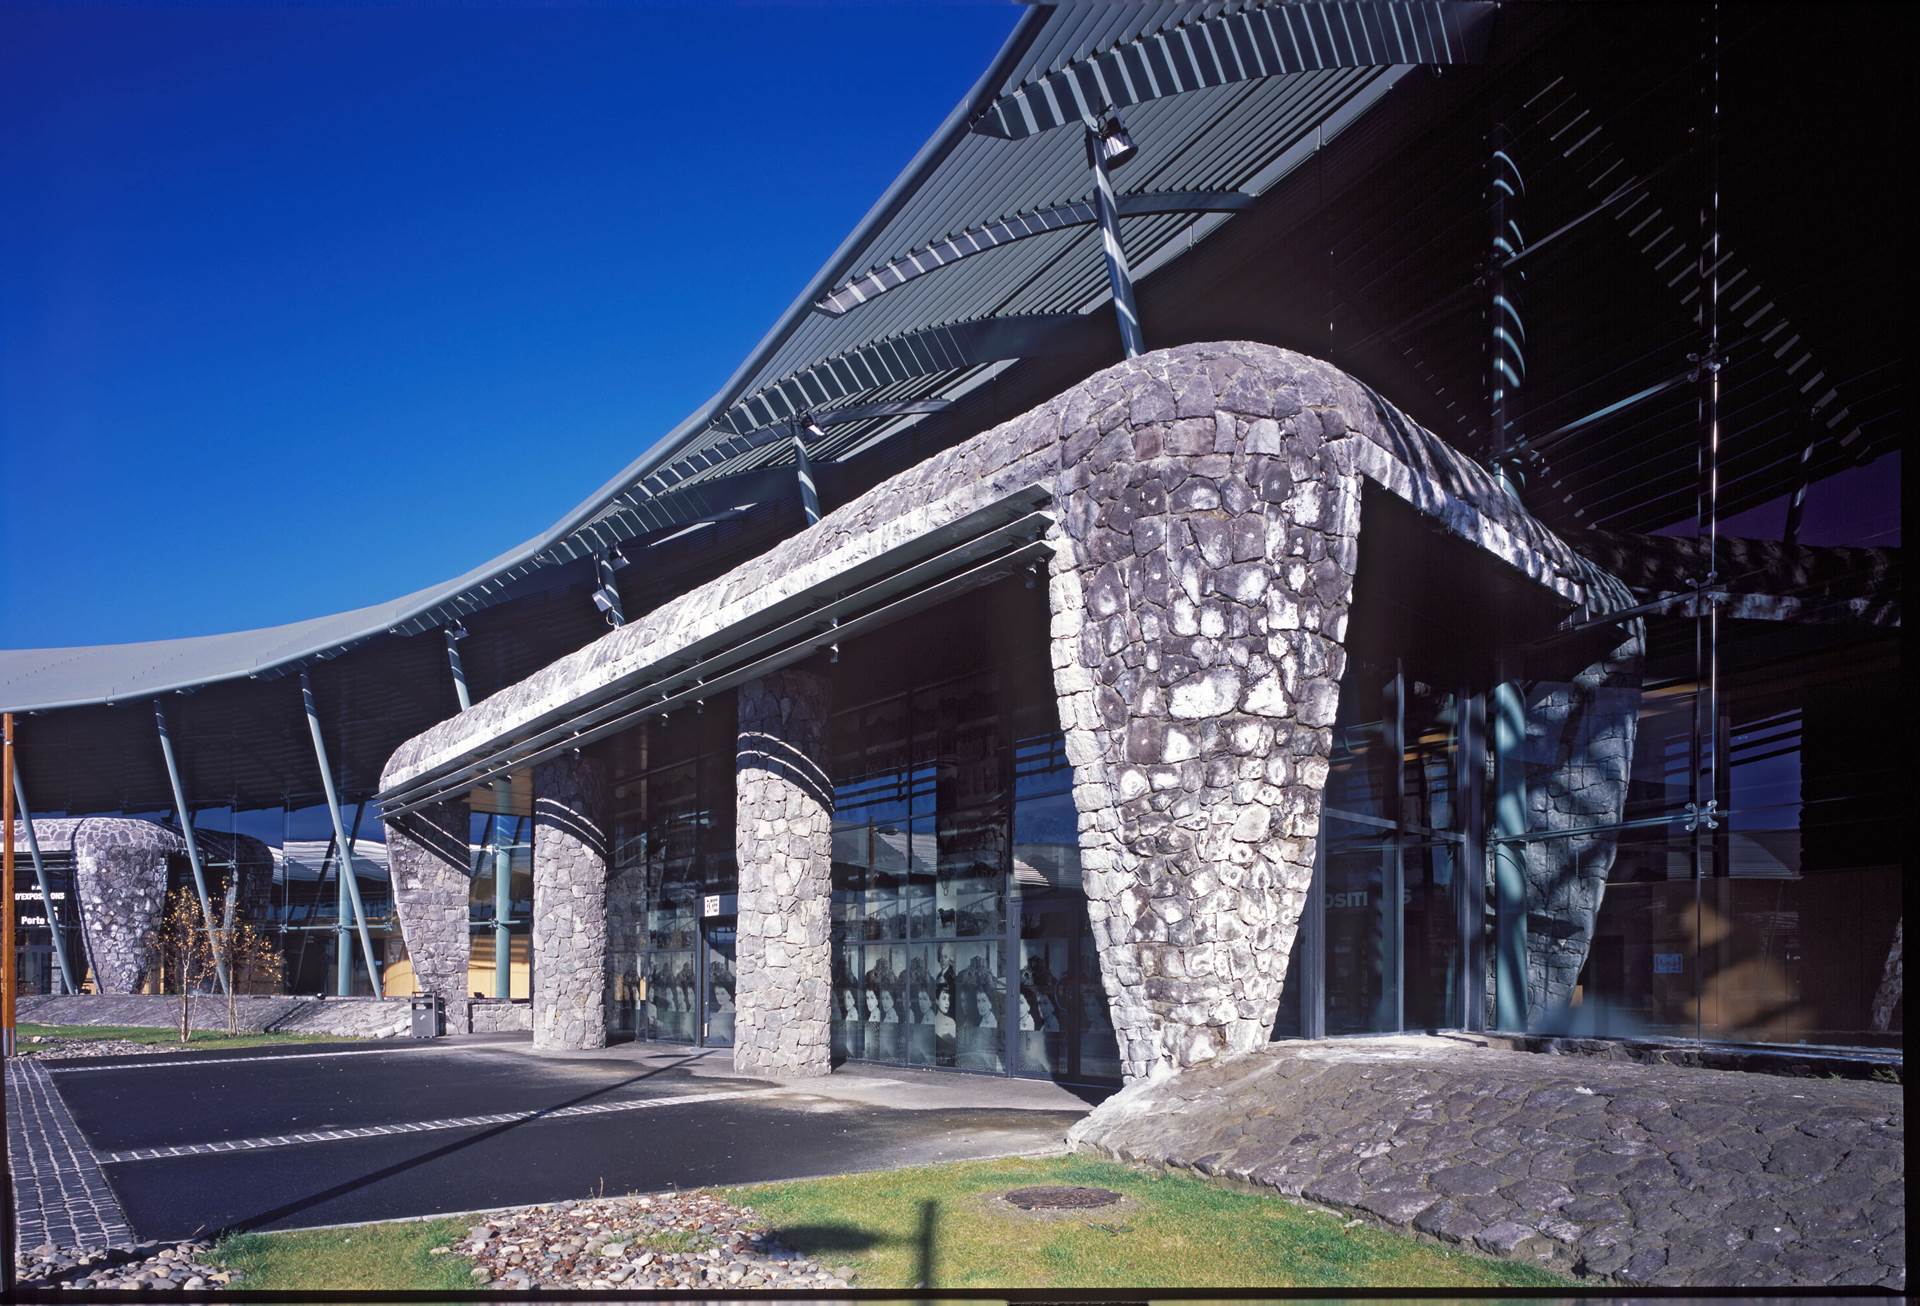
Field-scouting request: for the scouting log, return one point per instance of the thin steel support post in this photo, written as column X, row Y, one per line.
column 40, row 874
column 502, row 911
column 1313, row 937
column 193, row 840
column 1509, row 858
column 1394, row 861
column 1471, row 898
column 1118, row 275
column 460, row 692
column 350, row 880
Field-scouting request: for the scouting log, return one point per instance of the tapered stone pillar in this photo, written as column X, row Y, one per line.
column 784, row 845
column 571, row 819
column 120, row 873
column 1200, row 583
column 428, row 863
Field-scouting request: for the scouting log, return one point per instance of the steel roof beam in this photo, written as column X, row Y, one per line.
column 1004, row 231
column 1237, row 47
column 949, row 348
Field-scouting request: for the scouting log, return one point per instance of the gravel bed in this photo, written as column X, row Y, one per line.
column 150, row 1267
column 688, row 1241
column 50, row 1047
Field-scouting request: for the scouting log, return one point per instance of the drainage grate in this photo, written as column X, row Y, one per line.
column 1061, row 1198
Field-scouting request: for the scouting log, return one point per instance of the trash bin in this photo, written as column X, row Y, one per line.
column 429, row 1016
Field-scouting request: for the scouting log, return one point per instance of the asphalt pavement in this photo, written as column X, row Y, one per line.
column 312, row 1135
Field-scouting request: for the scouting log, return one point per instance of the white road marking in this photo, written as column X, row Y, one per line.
column 421, row 1126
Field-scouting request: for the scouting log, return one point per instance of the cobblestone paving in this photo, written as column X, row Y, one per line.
column 60, row 1196
column 1656, row 1175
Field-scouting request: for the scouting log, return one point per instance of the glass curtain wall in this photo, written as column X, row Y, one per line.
column 960, row 935
column 1752, row 891
column 500, row 888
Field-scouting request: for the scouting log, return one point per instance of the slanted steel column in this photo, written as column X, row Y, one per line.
column 606, row 593
column 349, row 881
column 454, row 635
column 803, row 470
column 1506, row 335
column 40, row 874
column 1506, row 366
column 343, row 909
column 1107, row 148
column 186, row 831
column 502, row 913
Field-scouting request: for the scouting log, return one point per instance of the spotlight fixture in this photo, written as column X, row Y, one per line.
column 833, row 653
column 1109, row 137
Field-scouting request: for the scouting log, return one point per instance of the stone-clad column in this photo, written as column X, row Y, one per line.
column 1200, row 586
column 784, row 843
column 570, row 847
column 429, row 864
column 120, row 874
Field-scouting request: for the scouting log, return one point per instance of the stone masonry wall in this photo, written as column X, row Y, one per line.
column 253, row 1012
column 570, row 848
column 783, row 839
column 427, row 854
column 1208, row 499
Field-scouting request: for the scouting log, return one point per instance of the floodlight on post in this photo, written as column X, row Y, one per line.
column 1115, row 146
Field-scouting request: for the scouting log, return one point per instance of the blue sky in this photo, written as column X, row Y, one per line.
column 302, row 308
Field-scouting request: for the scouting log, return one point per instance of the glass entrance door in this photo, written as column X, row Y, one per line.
column 716, row 982
column 1382, row 947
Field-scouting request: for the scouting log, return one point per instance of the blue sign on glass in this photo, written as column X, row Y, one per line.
column 1669, row 963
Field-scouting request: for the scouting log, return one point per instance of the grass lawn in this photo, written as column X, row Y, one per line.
column 1173, row 1232
column 366, row 1257
column 202, row 1038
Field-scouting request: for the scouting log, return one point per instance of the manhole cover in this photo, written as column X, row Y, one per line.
column 1061, row 1199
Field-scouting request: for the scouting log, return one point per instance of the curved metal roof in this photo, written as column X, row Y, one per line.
column 1240, row 92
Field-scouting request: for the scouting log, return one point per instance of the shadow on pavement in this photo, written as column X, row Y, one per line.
column 287, row 1209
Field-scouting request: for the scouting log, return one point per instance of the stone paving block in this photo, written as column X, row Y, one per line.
column 60, row 1195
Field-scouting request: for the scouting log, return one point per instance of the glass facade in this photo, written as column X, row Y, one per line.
column 671, row 890
column 1755, row 890
column 960, row 935
column 1706, row 847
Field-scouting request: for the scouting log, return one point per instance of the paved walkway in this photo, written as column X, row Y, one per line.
column 1637, row 1174
column 59, row 1193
